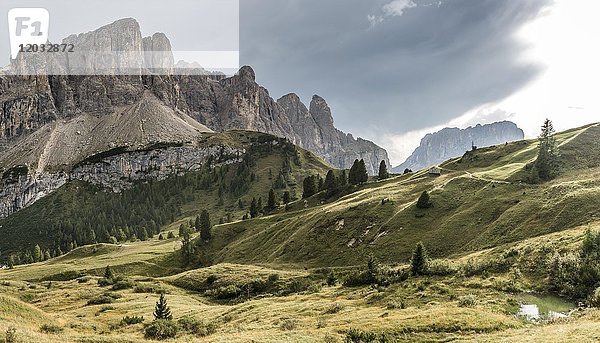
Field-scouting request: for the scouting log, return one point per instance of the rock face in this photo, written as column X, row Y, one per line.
column 453, row 142
column 28, row 104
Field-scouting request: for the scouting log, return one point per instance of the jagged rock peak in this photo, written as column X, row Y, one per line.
column 321, row 111
column 246, row 72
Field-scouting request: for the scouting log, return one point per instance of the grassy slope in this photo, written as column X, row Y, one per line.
column 477, row 204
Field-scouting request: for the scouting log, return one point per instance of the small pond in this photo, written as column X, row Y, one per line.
column 536, row 307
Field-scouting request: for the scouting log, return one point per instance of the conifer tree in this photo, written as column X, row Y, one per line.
column 259, row 205
column 37, row 254
column 424, row 201
column 108, row 273
column 161, row 310
column 253, row 208
column 419, row 260
column 309, row 187
column 361, row 173
column 197, row 223
column 331, row 184
column 383, row 171
column 343, row 179
column 205, row 226
column 272, row 201
column 547, row 161
column 47, row 255
column 286, row 197
column 353, row 174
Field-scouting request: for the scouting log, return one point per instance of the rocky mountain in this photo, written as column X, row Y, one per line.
column 453, row 142
column 50, row 124
column 214, row 101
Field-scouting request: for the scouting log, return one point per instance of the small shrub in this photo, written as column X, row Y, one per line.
column 148, row 289
column 273, row 278
column 289, row 324
column 104, row 282
column 100, row 300
column 211, row 279
column 123, row 284
column 197, row 327
column 331, row 280
column 131, row 320
column 161, row 329
column 225, row 292
column 467, row 301
column 84, row 279
column 396, row 304
column 11, row 335
column 51, row 328
column 334, row 308
column 106, row 308
column 595, row 298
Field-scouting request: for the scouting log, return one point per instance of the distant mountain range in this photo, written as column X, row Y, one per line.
column 454, row 142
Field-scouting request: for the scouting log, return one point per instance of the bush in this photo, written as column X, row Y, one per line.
column 51, row 328
column 132, row 320
column 197, row 327
column 105, row 298
column 104, row 282
column 289, row 324
column 211, row 279
column 334, row 308
column 11, row 335
column 396, row 304
column 100, row 300
column 148, row 289
column 123, row 284
column 161, row 329
column 225, row 292
column 467, row 301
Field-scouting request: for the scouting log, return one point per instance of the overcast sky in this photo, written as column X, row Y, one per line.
column 393, row 70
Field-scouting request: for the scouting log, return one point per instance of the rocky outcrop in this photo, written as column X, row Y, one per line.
column 453, row 142
column 116, row 172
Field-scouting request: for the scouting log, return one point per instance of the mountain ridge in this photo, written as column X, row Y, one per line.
column 452, row 142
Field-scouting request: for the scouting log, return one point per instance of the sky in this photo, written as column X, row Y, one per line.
column 394, row 70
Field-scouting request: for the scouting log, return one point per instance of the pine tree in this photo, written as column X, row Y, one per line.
column 37, row 254
column 259, row 205
column 253, row 208
column 272, row 202
column 187, row 248
column 286, row 197
column 424, row 201
column 143, row 234
column 547, row 160
column 205, row 226
column 331, row 183
column 197, row 225
column 108, row 273
column 47, row 255
column 383, row 171
column 309, row 187
column 343, row 179
column 353, row 174
column 419, row 260
column 373, row 268
column 181, row 230
column 170, row 235
column 361, row 173
column 161, row 310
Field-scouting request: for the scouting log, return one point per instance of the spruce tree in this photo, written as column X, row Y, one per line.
column 108, row 273
column 272, row 202
column 343, row 179
column 383, row 171
column 47, row 255
column 419, row 260
column 187, row 248
column 205, row 226
column 331, row 184
column 309, row 187
column 361, row 173
column 37, row 254
column 353, row 174
column 424, row 201
column 286, row 197
column 259, row 205
column 547, row 161
column 253, row 208
column 161, row 310
column 197, row 223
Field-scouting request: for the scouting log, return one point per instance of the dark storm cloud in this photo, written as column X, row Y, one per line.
column 405, row 72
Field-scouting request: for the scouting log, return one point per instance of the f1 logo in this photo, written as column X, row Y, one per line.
column 27, row 26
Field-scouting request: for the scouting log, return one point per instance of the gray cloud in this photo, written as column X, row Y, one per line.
column 419, row 69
